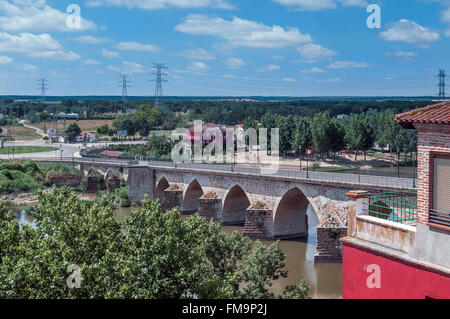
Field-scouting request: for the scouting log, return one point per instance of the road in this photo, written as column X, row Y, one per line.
column 68, row 150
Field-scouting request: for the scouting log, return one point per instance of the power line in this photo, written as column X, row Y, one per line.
column 442, row 84
column 160, row 67
column 125, row 85
column 43, row 86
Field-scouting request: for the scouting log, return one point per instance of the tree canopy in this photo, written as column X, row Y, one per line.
column 150, row 255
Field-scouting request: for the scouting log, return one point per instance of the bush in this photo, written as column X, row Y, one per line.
column 12, row 181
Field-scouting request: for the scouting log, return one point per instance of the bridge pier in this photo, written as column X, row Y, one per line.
column 141, row 182
column 329, row 246
column 259, row 224
column 210, row 207
column 172, row 198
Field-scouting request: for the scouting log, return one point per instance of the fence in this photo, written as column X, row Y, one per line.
column 399, row 207
column 369, row 180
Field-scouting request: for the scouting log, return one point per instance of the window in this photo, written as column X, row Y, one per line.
column 440, row 214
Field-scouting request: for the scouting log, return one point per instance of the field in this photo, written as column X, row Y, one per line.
column 85, row 125
column 21, row 133
column 25, row 149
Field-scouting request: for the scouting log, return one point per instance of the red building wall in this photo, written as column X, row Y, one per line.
column 431, row 138
column 397, row 280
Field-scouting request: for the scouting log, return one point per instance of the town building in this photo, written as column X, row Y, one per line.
column 86, row 137
column 398, row 243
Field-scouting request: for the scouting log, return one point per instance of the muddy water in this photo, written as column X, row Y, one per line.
column 325, row 279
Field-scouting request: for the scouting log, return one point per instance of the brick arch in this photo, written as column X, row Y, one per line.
column 234, row 207
column 289, row 219
column 161, row 186
column 191, row 196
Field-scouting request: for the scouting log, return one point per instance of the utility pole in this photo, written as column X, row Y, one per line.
column 125, row 85
column 43, row 86
column 442, row 77
column 160, row 67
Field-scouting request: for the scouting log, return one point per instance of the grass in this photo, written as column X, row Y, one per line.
column 25, row 149
column 21, row 133
column 85, row 125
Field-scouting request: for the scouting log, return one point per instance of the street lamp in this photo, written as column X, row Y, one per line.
column 398, row 161
column 300, row 157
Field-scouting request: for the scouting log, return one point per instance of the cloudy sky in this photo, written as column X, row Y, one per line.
column 225, row 47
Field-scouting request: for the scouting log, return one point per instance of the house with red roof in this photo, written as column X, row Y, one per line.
column 398, row 243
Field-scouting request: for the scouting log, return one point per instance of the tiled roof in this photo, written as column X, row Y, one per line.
column 431, row 114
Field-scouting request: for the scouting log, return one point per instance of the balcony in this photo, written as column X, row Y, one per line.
column 397, row 207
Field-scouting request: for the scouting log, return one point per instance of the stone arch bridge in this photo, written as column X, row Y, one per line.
column 269, row 206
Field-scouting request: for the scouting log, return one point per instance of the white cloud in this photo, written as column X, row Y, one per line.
column 235, row 63
column 40, row 46
column 5, row 60
column 135, row 46
column 128, row 67
column 313, row 5
column 196, row 66
column 90, row 39
column 240, row 32
column 26, row 67
column 410, row 32
column 404, row 55
column 91, row 62
column 36, row 16
column 277, row 57
column 197, row 54
column 313, row 70
column 110, row 54
column 161, row 4
column 347, row 65
column 289, row 80
column 446, row 15
column 314, row 52
column 268, row 68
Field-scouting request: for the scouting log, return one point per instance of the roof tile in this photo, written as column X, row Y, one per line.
column 431, row 114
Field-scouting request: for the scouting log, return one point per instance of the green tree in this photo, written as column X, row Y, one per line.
column 72, row 131
column 327, row 133
column 359, row 134
column 302, row 135
column 150, row 255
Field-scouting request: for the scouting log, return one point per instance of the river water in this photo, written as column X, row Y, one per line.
column 325, row 279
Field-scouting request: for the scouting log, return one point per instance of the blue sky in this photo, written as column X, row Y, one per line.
column 225, row 47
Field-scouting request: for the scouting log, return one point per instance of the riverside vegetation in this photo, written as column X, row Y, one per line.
column 149, row 255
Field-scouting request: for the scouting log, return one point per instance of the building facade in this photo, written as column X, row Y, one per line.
column 398, row 244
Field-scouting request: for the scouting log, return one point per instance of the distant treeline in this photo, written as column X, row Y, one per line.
column 215, row 111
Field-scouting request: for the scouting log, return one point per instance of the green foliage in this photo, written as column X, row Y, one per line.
column 149, row 255
column 327, row 133
column 12, row 181
column 302, row 135
column 28, row 176
column 72, row 131
column 359, row 134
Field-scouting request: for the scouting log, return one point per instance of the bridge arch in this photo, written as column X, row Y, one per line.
column 161, row 186
column 235, row 204
column 191, row 197
column 290, row 219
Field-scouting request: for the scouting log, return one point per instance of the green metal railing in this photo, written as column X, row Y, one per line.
column 399, row 207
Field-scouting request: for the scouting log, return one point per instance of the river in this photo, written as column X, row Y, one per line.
column 325, row 279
